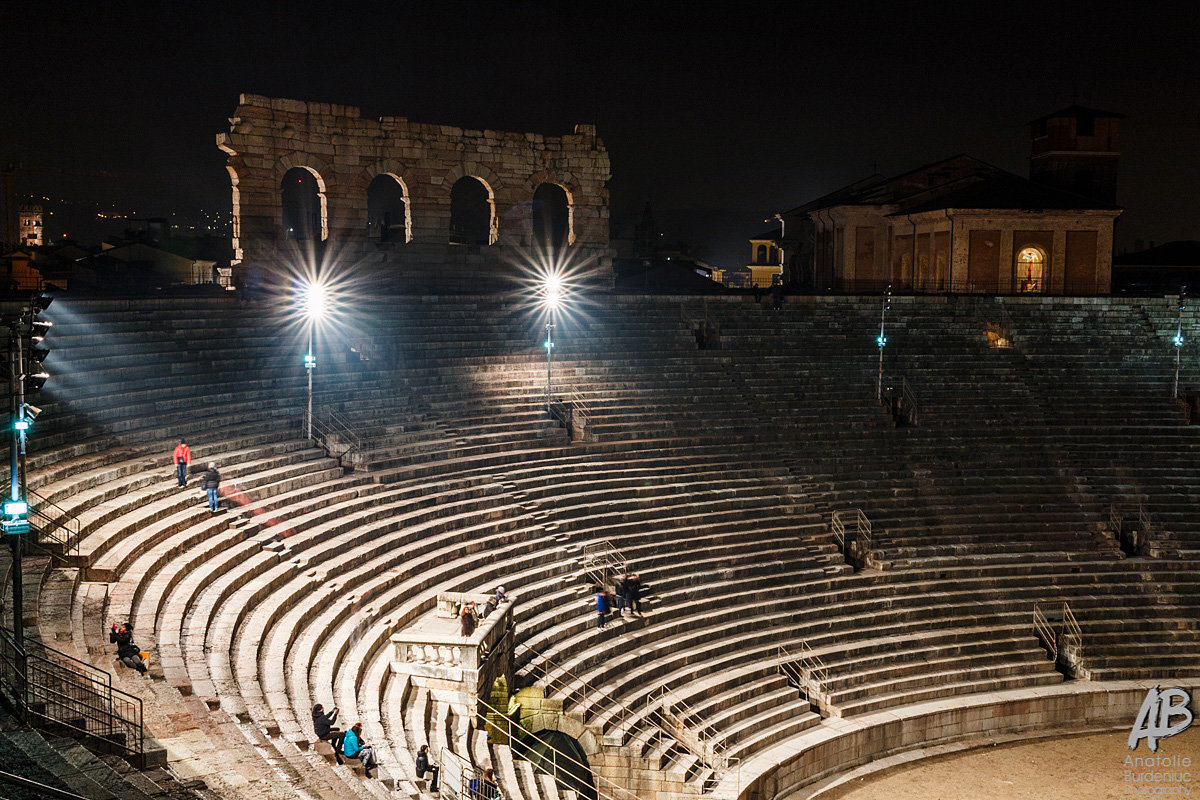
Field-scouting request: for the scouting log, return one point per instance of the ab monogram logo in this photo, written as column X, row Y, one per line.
column 1154, row 719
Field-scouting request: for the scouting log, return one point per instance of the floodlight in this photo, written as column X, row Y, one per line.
column 553, row 291
column 314, row 301
column 32, row 411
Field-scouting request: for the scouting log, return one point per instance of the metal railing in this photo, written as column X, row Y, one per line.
column 601, row 558
column 1117, row 513
column 1065, row 644
column 911, row 407
column 577, row 691
column 859, row 546
column 604, row 788
column 333, row 431
column 48, row 687
column 569, row 408
column 687, row 728
column 39, row 789
column 458, row 780
column 1045, row 631
column 806, row 670
column 53, row 525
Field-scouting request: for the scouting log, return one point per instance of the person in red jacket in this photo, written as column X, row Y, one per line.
column 182, row 458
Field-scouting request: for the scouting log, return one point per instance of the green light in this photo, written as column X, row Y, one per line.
column 16, row 508
column 21, row 425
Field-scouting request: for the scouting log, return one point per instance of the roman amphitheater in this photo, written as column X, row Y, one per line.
column 1004, row 547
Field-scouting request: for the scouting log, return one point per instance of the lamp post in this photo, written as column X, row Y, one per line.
column 1178, row 341
column 551, row 297
column 549, row 359
column 881, row 342
column 314, row 308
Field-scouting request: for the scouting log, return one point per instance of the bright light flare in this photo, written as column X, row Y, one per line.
column 314, row 301
column 553, row 291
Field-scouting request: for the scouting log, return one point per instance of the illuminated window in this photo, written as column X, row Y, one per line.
column 1031, row 267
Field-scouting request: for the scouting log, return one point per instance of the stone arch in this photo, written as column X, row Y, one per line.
column 389, row 208
column 574, row 772
column 316, row 217
column 490, row 180
column 552, row 217
column 570, row 186
column 472, row 212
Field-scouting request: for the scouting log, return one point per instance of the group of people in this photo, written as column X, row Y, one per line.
column 350, row 744
column 347, row 744
column 469, row 616
column 211, row 480
column 626, row 594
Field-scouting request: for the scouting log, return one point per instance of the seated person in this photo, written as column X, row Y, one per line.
column 427, row 767
column 484, row 788
column 353, row 746
column 127, row 652
column 323, row 727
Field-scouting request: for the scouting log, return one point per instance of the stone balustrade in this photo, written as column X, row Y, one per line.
column 434, row 648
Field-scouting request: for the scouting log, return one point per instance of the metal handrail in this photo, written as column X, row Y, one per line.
column 602, row 556
column 910, row 399
column 43, row 688
column 1071, row 628
column 863, row 532
column 559, row 686
column 326, row 429
column 64, row 520
column 40, row 788
column 711, row 751
column 1045, row 631
column 464, row 766
column 556, row 755
column 839, row 530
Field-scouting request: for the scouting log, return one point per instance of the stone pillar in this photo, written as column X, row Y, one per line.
column 1006, row 260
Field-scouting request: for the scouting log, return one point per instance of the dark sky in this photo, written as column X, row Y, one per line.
column 719, row 114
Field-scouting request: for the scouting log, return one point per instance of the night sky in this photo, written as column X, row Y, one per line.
column 719, row 114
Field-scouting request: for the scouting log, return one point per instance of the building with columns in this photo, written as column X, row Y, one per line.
column 962, row 225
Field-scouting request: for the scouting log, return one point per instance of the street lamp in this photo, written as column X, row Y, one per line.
column 552, row 296
column 1178, row 341
column 314, row 309
column 881, row 342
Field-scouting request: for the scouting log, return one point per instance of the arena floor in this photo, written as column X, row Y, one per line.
column 1080, row 768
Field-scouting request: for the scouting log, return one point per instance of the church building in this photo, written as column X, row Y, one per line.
column 963, row 225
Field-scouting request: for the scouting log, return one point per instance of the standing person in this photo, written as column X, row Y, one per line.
column 484, row 788
column 777, row 294
column 354, row 746
column 323, row 727
column 427, row 767
column 633, row 593
column 127, row 652
column 212, row 481
column 469, row 618
column 601, row 607
column 182, row 459
column 619, row 590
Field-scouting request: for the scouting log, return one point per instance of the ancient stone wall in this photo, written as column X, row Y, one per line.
column 344, row 152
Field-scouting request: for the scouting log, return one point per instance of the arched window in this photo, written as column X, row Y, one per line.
column 551, row 216
column 760, row 256
column 303, row 201
column 387, row 210
column 1031, row 269
column 471, row 212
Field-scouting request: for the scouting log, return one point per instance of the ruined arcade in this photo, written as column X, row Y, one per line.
column 414, row 200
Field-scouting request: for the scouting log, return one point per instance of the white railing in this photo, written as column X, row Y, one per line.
column 687, row 728
column 600, row 558
column 808, row 672
column 863, row 536
column 909, row 397
column 1045, row 632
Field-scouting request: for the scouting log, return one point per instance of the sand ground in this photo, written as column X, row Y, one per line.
column 1080, row 768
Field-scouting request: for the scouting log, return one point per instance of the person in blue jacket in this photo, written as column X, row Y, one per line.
column 353, row 746
column 601, row 607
